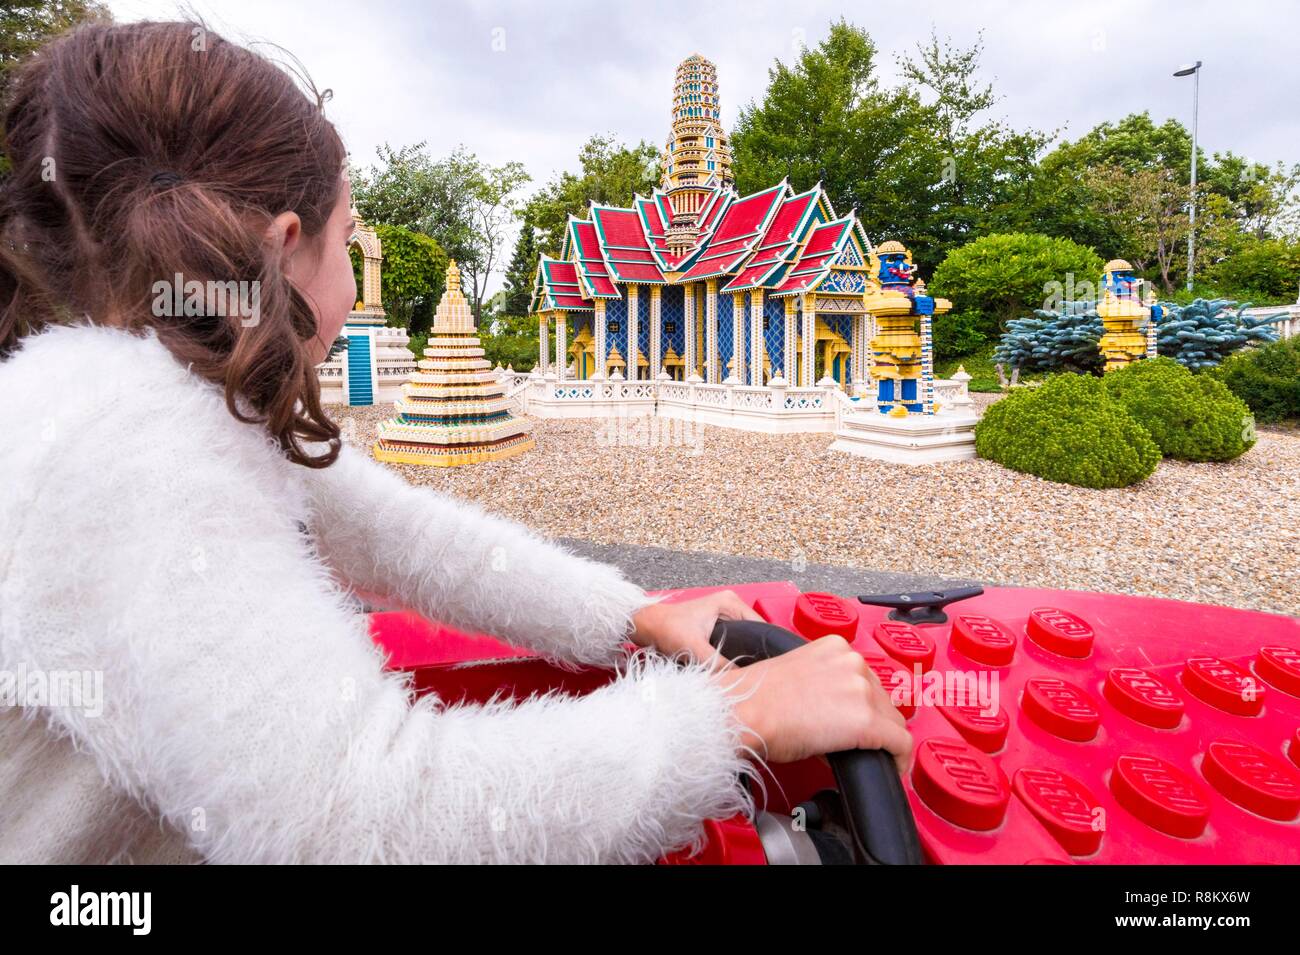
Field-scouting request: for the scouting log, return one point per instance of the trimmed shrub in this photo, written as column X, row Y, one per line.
column 1190, row 417
column 1267, row 379
column 996, row 278
column 1068, row 430
column 956, row 336
column 1067, row 340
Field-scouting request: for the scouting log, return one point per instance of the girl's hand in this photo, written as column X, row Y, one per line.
column 673, row 627
column 821, row 698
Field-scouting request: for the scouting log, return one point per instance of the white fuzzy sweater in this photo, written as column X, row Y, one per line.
column 148, row 536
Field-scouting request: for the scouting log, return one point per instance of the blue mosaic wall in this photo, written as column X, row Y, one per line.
column 672, row 314
column 616, row 311
column 643, row 327
column 774, row 334
column 724, row 335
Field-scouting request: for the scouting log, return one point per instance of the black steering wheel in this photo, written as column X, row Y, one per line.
column 875, row 805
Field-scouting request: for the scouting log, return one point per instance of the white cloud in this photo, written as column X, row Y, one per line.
column 404, row 71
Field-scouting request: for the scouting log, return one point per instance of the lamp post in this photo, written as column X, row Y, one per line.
column 1193, row 70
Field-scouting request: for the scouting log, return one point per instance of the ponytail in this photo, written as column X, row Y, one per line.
column 142, row 164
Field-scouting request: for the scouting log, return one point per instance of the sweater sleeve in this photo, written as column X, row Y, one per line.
column 451, row 560
column 243, row 700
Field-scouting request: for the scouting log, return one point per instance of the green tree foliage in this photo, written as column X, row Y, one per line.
column 1125, row 186
column 511, row 341
column 523, row 266
column 957, row 335
column 412, row 278
column 921, row 161
column 1070, row 431
column 466, row 205
column 1268, row 270
column 27, row 24
column 1267, row 379
column 1190, row 417
column 610, row 174
column 1000, row 277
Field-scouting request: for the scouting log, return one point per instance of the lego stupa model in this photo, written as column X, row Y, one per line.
column 453, row 409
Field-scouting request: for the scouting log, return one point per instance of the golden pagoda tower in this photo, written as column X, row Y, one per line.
column 453, row 409
column 697, row 159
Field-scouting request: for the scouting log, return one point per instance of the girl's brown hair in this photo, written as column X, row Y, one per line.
column 145, row 151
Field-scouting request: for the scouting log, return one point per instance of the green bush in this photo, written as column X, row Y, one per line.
column 1190, row 417
column 1067, row 430
column 1267, row 379
column 997, row 278
column 511, row 341
column 1268, row 267
column 957, row 335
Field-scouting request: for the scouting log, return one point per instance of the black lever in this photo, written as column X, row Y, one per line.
column 926, row 606
column 875, row 804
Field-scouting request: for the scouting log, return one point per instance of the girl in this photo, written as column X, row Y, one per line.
column 181, row 531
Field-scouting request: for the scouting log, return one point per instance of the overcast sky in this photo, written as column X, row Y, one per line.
column 532, row 81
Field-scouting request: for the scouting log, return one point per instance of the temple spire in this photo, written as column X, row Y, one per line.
column 453, row 409
column 697, row 158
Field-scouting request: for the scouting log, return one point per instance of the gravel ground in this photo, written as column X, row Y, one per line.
column 1216, row 533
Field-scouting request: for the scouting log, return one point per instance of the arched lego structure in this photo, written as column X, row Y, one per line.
column 377, row 359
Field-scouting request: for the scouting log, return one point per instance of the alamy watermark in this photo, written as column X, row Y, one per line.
column 179, row 297
column 128, row 909
column 651, row 431
column 946, row 688
column 65, row 689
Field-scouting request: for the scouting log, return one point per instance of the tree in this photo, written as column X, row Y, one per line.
column 826, row 119
column 1146, row 210
column 493, row 208
column 610, row 174
column 1269, row 268
column 1265, row 200
column 1005, row 276
column 412, row 278
column 988, row 169
column 511, row 340
column 25, row 25
column 921, row 162
column 1125, row 187
column 523, row 266
column 465, row 205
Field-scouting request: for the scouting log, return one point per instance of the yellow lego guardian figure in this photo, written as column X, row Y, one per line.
column 902, row 357
column 1128, row 309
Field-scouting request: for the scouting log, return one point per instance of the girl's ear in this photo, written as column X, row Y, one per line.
column 285, row 232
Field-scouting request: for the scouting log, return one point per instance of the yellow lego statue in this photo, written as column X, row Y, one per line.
column 902, row 358
column 1128, row 309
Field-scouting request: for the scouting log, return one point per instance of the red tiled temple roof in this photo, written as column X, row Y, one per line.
column 625, row 247
column 557, row 287
column 592, row 272
column 823, row 247
column 779, row 243
column 770, row 239
column 742, row 225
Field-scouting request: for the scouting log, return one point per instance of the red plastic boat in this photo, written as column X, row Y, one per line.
column 1051, row 727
